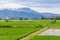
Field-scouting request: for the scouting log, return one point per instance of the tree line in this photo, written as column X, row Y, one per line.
column 41, row 18
column 52, row 17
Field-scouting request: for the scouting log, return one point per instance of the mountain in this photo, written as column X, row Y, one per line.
column 20, row 12
column 47, row 15
column 24, row 13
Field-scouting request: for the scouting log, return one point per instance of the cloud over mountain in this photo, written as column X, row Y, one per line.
column 24, row 13
column 10, row 5
column 38, row 5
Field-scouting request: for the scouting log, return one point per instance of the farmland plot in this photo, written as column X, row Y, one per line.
column 14, row 33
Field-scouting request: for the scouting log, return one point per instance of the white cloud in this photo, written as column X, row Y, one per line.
column 5, row 4
column 33, row 4
column 43, row 10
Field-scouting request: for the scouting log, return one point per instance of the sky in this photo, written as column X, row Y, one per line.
column 52, row 6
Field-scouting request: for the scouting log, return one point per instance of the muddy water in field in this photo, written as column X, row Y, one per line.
column 55, row 32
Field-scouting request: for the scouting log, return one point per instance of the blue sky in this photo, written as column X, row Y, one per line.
column 37, row 5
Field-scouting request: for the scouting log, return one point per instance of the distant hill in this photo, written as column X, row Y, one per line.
column 24, row 13
column 47, row 15
column 21, row 12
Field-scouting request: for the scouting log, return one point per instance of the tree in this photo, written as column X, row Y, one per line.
column 53, row 19
column 26, row 19
column 21, row 18
column 0, row 18
column 42, row 17
column 6, row 20
column 57, row 17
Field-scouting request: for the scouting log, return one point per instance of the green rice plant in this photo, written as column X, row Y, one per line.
column 14, row 33
column 45, row 38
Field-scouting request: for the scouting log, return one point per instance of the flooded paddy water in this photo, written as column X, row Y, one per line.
column 55, row 32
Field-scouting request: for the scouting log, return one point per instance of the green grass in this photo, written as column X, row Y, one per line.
column 20, row 28
column 19, row 23
column 45, row 38
column 14, row 33
column 33, row 23
column 48, row 24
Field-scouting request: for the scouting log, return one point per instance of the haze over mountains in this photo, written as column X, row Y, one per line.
column 24, row 13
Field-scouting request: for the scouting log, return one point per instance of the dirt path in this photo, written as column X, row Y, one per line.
column 33, row 34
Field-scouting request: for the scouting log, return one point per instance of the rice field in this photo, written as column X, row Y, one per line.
column 14, row 33
column 32, row 23
column 14, row 29
column 50, row 34
column 45, row 38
